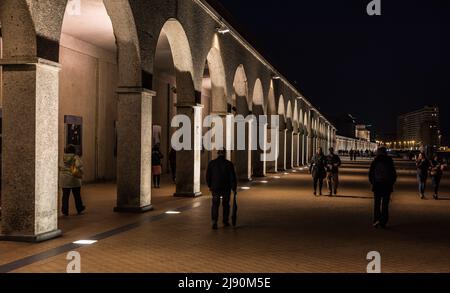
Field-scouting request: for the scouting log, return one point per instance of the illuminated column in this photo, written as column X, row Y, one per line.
column 259, row 155
column 189, row 161
column 272, row 166
column 289, row 148
column 282, row 150
column 243, row 157
column 296, row 152
column 134, row 150
column 30, row 150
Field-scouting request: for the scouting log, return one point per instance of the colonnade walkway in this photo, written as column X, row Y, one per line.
column 282, row 227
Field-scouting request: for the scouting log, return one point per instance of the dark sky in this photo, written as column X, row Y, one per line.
column 345, row 61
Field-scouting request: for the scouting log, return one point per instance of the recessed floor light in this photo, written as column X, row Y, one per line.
column 286, row 173
column 276, row 177
column 85, row 242
column 264, row 181
column 173, row 212
column 245, row 188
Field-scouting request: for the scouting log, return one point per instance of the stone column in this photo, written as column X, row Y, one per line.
column 189, row 161
column 243, row 158
column 296, row 150
column 289, row 148
column 259, row 155
column 272, row 165
column 134, row 150
column 310, row 148
column 282, row 148
column 30, row 150
column 229, row 134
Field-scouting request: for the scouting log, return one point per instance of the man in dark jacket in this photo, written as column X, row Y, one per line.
column 221, row 180
column 333, row 164
column 382, row 176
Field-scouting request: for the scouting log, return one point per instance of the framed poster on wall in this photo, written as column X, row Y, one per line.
column 74, row 132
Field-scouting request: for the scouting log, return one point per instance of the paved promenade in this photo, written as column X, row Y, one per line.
column 282, row 228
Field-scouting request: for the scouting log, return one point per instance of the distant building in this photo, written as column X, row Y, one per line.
column 420, row 128
column 362, row 132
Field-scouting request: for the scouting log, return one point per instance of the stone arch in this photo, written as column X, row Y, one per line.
column 218, row 82
column 18, row 30
column 258, row 98
column 289, row 110
column 180, row 50
column 240, row 86
column 271, row 106
column 295, row 115
column 281, row 108
column 258, row 94
column 125, row 31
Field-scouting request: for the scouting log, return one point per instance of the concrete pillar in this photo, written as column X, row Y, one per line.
column 134, row 150
column 302, row 149
column 282, row 150
column 297, row 148
column 30, row 150
column 289, row 148
column 310, row 148
column 189, row 161
column 259, row 155
column 243, row 158
column 229, row 135
column 272, row 166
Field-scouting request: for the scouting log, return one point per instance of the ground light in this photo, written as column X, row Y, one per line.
column 85, row 242
column 264, row 181
column 276, row 177
column 245, row 188
column 173, row 212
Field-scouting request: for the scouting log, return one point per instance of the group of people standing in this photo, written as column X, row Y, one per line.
column 429, row 168
column 382, row 176
column 325, row 167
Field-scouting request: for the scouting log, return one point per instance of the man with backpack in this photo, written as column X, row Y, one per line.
column 382, row 176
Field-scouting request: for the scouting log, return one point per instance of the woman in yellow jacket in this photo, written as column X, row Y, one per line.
column 71, row 173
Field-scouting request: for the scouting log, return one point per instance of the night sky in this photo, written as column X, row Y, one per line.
column 344, row 61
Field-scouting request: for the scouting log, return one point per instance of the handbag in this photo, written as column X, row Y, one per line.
column 75, row 171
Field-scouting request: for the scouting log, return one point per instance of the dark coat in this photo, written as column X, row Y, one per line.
column 384, row 165
column 318, row 166
column 220, row 176
column 422, row 168
column 333, row 163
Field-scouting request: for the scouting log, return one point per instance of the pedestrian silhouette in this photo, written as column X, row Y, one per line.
column 423, row 166
column 333, row 164
column 382, row 176
column 318, row 170
column 221, row 180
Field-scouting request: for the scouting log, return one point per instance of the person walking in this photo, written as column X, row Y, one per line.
column 318, row 170
column 382, row 176
column 333, row 164
column 351, row 154
column 423, row 166
column 173, row 163
column 221, row 180
column 70, row 178
column 436, row 172
column 156, row 166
